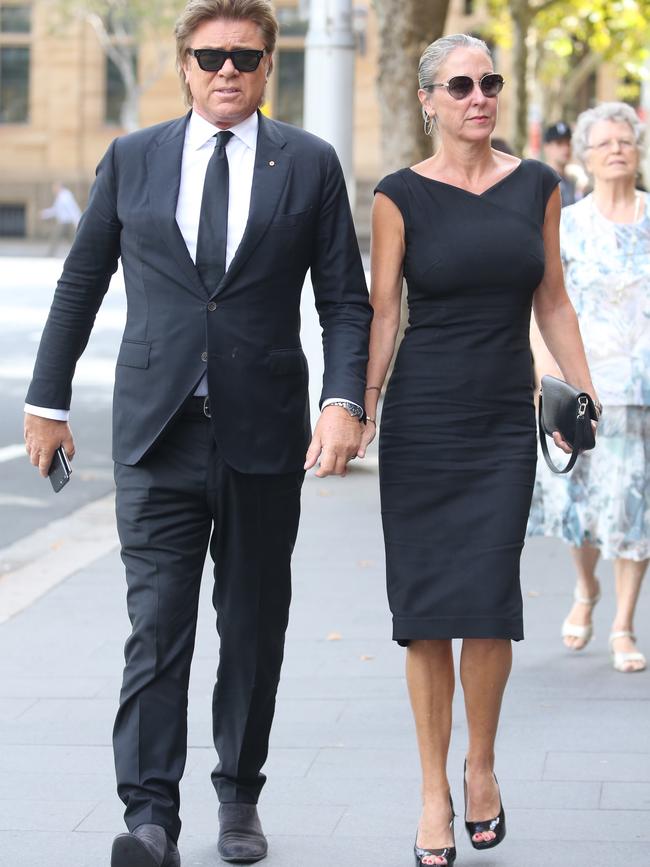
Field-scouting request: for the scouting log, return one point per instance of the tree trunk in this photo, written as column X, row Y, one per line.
column 521, row 21
column 406, row 27
column 574, row 81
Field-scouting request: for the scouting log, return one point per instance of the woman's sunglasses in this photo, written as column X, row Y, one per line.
column 460, row 86
column 212, row 59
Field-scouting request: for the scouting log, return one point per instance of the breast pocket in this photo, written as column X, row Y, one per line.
column 289, row 221
column 134, row 353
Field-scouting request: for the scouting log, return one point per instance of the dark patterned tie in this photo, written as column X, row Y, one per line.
column 213, row 222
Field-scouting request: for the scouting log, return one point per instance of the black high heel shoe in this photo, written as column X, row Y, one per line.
column 497, row 826
column 448, row 853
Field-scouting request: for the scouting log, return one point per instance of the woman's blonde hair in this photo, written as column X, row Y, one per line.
column 261, row 12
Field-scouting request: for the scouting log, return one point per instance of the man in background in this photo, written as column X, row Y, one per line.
column 65, row 212
column 557, row 154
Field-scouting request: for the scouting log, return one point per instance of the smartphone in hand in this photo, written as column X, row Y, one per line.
column 60, row 470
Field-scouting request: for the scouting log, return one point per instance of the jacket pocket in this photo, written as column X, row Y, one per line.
column 134, row 353
column 287, row 362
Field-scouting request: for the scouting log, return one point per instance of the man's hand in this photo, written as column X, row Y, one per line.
column 43, row 436
column 336, row 441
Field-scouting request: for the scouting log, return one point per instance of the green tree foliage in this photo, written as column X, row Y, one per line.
column 570, row 38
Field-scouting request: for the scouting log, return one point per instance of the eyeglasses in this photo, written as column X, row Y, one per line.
column 212, row 59
column 460, row 86
column 623, row 143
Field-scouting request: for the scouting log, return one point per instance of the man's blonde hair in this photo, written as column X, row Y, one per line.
column 261, row 12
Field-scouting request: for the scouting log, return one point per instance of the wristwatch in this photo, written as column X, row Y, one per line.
column 354, row 410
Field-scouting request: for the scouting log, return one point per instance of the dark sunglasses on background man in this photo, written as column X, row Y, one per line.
column 212, row 59
column 460, row 86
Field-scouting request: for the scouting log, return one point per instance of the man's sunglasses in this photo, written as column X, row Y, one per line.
column 460, row 86
column 212, row 59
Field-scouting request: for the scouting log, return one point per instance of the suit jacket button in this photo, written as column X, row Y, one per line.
column 212, row 306
column 204, row 356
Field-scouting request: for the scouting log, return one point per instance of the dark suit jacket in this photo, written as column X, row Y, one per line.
column 257, row 372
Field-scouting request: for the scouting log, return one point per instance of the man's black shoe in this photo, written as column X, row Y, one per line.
column 241, row 839
column 147, row 846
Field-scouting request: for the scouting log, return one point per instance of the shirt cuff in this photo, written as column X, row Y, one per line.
column 47, row 412
column 334, row 399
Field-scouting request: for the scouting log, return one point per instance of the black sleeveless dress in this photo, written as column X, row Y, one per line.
column 457, row 447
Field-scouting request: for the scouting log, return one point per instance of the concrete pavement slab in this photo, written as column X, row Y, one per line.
column 573, row 752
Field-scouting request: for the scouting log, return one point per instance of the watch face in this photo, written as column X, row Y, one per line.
column 354, row 410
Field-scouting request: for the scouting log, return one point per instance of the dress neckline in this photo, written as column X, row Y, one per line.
column 462, row 189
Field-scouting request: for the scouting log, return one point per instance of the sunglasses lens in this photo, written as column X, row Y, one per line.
column 246, row 60
column 491, row 84
column 460, row 86
column 210, row 60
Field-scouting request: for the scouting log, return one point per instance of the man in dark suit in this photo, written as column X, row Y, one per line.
column 216, row 217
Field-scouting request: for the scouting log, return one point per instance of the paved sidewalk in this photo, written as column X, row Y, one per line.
column 574, row 747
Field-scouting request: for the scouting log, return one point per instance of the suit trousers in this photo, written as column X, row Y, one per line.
column 180, row 499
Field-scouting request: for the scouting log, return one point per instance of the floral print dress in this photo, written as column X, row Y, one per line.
column 605, row 500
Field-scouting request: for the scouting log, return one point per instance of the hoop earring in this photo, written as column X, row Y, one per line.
column 429, row 123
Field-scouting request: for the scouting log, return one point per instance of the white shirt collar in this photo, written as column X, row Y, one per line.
column 200, row 131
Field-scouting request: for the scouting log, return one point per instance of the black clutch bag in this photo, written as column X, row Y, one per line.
column 565, row 409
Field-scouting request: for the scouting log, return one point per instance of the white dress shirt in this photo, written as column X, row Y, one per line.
column 197, row 150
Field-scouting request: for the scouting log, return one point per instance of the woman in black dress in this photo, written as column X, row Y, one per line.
column 475, row 234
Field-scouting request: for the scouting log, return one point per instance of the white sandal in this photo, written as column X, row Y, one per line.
column 572, row 630
column 620, row 659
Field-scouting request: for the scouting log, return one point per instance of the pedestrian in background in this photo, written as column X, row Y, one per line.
column 557, row 154
column 65, row 212
column 603, row 507
column 217, row 217
column 475, row 233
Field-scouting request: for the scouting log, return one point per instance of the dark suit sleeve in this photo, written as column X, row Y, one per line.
column 340, row 291
column 79, row 293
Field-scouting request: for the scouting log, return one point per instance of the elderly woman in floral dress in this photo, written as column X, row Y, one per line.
column 603, row 507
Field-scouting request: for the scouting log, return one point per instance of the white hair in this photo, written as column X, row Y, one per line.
column 434, row 55
column 616, row 112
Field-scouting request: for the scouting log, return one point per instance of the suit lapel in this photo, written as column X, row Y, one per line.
column 164, row 161
column 270, row 175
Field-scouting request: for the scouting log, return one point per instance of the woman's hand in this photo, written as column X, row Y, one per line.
column 563, row 444
column 367, row 436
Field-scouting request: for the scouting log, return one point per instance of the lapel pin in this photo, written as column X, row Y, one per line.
column 271, row 162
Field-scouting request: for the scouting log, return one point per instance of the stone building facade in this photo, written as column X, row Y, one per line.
column 60, row 100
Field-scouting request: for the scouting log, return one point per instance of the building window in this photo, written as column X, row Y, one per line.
column 14, row 84
column 115, row 92
column 15, row 19
column 468, row 7
column 290, row 86
column 12, row 221
column 15, row 33
column 293, row 21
